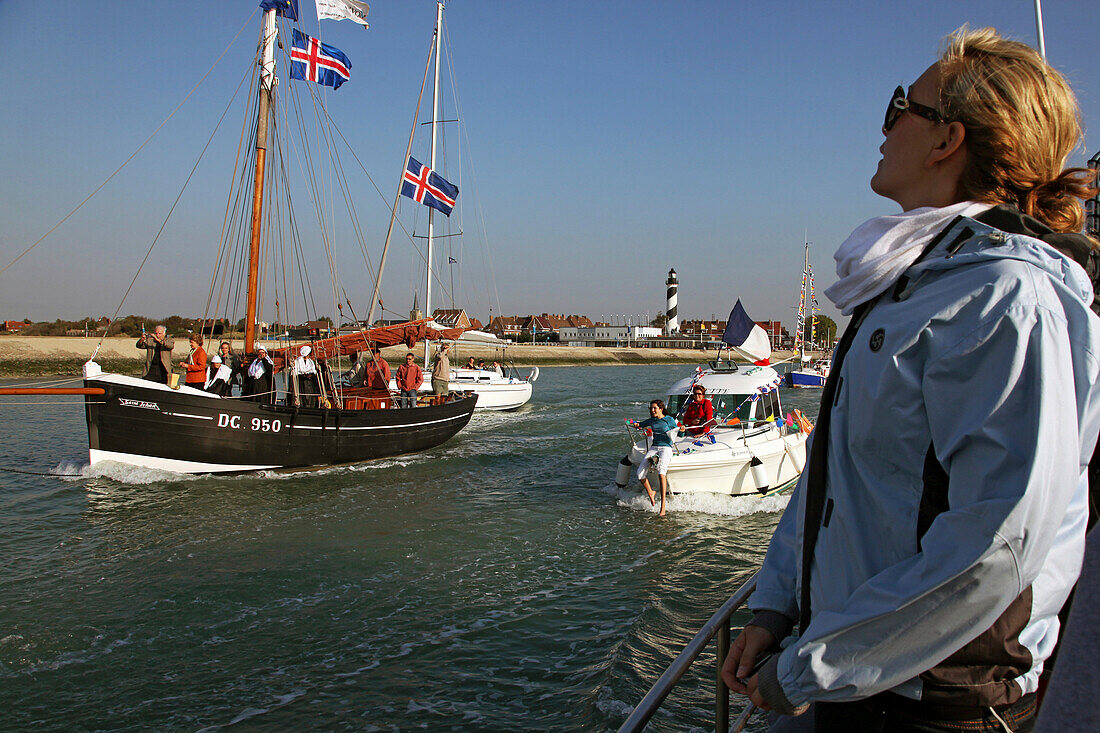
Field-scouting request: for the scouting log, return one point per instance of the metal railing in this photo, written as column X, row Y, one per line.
column 719, row 624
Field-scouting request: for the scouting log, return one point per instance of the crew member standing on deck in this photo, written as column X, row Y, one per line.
column 259, row 384
column 158, row 347
column 307, row 388
column 409, row 379
column 195, row 363
column 441, row 371
column 231, row 360
column 939, row 524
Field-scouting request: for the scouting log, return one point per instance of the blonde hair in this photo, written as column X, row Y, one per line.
column 1022, row 122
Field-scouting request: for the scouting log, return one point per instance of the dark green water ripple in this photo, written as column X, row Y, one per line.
column 498, row 582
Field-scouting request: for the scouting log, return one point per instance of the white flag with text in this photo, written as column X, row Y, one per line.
column 352, row 10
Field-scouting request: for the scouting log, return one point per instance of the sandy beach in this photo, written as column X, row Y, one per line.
column 23, row 356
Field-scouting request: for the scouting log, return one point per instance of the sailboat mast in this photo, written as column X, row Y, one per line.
column 804, row 305
column 267, row 86
column 435, row 123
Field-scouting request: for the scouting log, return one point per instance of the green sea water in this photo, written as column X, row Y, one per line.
column 499, row 582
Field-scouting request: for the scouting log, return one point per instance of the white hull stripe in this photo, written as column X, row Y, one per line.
column 171, row 464
column 184, row 414
column 382, row 427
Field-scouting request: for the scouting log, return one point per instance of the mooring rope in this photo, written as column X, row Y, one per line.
column 36, row 473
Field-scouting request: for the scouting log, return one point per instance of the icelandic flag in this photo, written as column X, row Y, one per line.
column 746, row 338
column 312, row 60
column 428, row 187
column 286, row 8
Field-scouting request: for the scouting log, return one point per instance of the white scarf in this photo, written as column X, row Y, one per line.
column 875, row 255
column 303, row 365
column 256, row 368
column 223, row 373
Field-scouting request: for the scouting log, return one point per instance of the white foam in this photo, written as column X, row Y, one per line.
column 729, row 506
column 125, row 473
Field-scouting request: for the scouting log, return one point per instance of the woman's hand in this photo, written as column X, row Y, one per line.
column 742, row 656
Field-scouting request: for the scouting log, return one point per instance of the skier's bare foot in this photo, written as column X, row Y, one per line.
column 652, row 497
column 661, row 513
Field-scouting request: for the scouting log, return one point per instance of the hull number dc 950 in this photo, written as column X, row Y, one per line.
column 261, row 425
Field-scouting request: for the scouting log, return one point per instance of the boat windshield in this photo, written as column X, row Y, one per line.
column 726, row 406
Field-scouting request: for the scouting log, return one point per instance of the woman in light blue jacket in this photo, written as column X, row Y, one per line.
column 940, row 522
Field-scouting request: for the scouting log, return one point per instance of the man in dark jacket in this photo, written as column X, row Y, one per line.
column 158, row 347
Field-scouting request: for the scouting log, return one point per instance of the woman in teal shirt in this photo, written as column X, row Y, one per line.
column 661, row 425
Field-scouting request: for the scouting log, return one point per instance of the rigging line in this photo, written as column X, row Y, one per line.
column 397, row 197
column 160, row 231
column 324, row 194
column 234, row 257
column 134, row 154
column 363, row 168
column 345, row 189
column 316, row 190
column 478, row 209
column 233, row 191
column 225, row 219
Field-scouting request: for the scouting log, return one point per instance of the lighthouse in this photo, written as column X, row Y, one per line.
column 672, row 323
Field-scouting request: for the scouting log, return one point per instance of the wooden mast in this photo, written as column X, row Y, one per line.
column 267, row 87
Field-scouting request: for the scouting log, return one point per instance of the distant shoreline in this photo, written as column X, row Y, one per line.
column 50, row 356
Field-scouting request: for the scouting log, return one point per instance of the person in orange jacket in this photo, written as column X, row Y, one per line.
column 409, row 379
column 195, row 363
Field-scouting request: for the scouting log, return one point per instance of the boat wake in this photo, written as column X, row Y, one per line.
column 122, row 473
column 728, row 506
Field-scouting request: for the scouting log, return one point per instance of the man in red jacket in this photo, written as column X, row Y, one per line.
column 409, row 380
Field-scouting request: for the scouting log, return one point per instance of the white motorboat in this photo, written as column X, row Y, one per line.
column 752, row 448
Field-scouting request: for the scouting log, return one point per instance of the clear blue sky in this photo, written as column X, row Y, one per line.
column 611, row 141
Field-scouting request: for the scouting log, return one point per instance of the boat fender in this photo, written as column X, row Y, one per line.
column 796, row 460
column 806, row 426
column 759, row 475
column 622, row 474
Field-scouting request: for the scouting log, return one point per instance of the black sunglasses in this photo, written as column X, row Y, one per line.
column 900, row 104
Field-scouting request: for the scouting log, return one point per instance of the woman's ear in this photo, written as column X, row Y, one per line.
column 950, row 142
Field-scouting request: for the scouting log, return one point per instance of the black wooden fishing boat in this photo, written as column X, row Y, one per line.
column 190, row 431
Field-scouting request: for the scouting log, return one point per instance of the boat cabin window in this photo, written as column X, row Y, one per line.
column 767, row 406
column 724, row 405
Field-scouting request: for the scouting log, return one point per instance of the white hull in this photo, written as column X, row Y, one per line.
column 724, row 466
column 494, row 392
column 496, row 396
column 753, row 453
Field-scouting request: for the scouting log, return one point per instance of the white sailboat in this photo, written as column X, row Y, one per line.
column 495, row 390
column 811, row 373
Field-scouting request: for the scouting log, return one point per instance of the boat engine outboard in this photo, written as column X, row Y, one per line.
column 759, row 475
column 622, row 474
